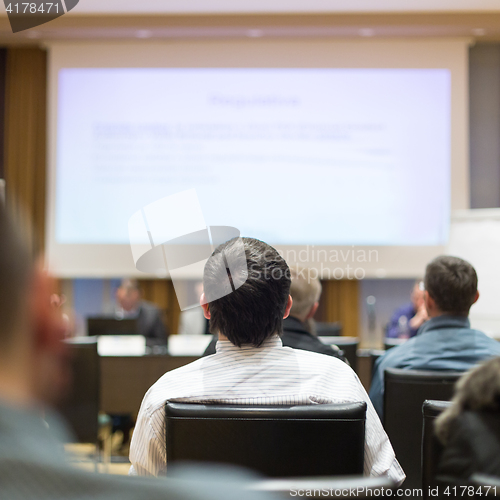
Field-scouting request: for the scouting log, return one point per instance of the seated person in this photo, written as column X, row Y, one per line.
column 406, row 321
column 130, row 305
column 446, row 341
column 470, row 428
column 251, row 366
column 192, row 321
column 298, row 327
column 33, row 374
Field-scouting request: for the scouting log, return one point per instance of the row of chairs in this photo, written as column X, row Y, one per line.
column 331, row 437
column 297, row 442
column 405, row 393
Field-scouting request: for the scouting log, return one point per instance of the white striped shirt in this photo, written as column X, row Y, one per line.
column 267, row 375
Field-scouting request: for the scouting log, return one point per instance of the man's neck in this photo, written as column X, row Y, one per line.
column 14, row 390
column 439, row 314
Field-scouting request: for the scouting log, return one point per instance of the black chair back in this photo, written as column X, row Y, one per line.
column 432, row 449
column 405, row 393
column 80, row 408
column 277, row 441
column 374, row 355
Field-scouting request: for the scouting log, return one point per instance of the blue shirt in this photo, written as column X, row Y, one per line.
column 442, row 343
column 408, row 311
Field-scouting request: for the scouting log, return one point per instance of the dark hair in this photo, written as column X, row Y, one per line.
column 253, row 311
column 130, row 284
column 452, row 283
column 478, row 390
column 16, row 266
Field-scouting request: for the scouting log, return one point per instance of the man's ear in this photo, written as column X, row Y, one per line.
column 204, row 306
column 48, row 324
column 288, row 307
column 430, row 304
column 313, row 310
column 476, row 297
column 49, row 354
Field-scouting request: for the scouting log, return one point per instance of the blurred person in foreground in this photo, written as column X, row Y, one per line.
column 251, row 365
column 298, row 328
column 407, row 319
column 470, row 428
column 33, row 374
column 446, row 341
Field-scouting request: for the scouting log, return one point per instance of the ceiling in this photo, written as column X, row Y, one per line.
column 120, row 7
column 181, row 19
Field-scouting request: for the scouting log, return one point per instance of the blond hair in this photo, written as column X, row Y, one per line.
column 305, row 291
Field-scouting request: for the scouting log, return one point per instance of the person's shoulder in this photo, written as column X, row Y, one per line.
column 171, row 379
column 318, row 361
column 486, row 339
column 148, row 306
column 393, row 356
column 305, row 342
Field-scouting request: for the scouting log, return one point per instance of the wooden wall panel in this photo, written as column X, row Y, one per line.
column 339, row 302
column 25, row 137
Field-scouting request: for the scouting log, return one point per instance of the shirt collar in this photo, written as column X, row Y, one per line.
column 270, row 343
column 444, row 321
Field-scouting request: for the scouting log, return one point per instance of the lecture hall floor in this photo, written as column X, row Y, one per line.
column 83, row 458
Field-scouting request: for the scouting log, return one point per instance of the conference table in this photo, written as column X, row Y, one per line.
column 125, row 379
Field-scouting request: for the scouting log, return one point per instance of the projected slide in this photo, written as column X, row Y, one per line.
column 290, row 156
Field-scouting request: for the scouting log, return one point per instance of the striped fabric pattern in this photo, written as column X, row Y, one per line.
column 268, row 375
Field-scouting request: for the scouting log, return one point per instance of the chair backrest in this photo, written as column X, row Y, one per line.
column 277, row 441
column 358, row 486
column 348, row 345
column 374, row 355
column 405, row 393
column 432, row 449
column 80, row 407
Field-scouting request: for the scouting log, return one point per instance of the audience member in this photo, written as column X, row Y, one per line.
column 298, row 328
column 470, row 428
column 192, row 321
column 406, row 321
column 33, row 373
column 130, row 305
column 251, row 366
column 446, row 341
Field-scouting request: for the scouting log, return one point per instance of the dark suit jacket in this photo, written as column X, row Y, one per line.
column 150, row 324
column 295, row 335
